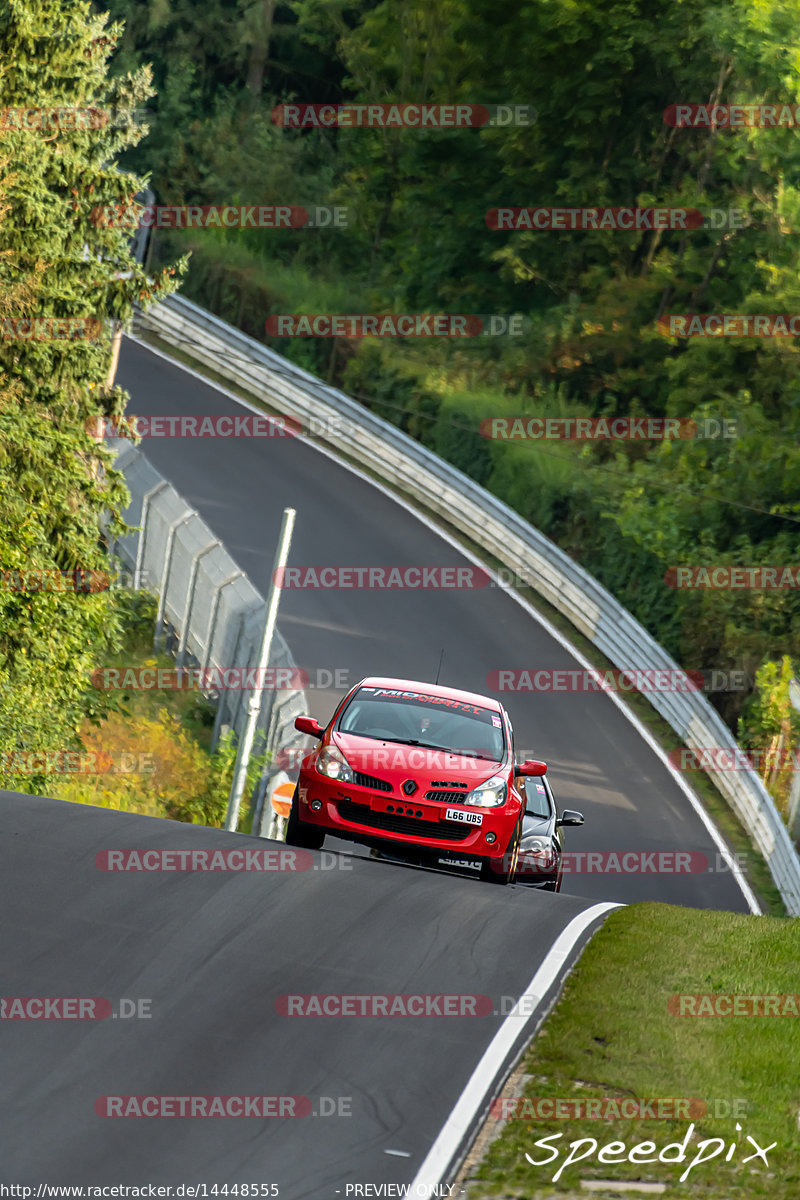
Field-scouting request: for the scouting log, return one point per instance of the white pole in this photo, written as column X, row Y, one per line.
column 254, row 704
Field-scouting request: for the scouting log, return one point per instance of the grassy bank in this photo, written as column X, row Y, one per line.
column 615, row 1033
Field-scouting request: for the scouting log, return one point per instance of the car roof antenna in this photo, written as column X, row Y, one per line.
column 438, row 669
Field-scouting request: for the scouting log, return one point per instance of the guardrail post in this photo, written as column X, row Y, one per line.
column 146, row 499
column 224, row 705
column 162, row 597
column 187, row 612
column 212, row 619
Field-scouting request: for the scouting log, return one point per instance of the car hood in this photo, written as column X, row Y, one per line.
column 536, row 826
column 395, row 763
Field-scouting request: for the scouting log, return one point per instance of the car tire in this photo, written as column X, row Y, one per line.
column 298, row 833
column 503, row 870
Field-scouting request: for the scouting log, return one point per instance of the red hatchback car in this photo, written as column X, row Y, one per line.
column 416, row 770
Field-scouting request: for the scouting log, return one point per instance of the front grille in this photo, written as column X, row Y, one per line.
column 446, row 797
column 449, row 783
column 441, row 831
column 369, row 781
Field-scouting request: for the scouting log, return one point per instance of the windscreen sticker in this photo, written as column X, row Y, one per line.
column 540, row 787
column 442, row 701
column 496, row 721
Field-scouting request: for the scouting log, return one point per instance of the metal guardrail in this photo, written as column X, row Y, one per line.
column 488, row 522
column 209, row 614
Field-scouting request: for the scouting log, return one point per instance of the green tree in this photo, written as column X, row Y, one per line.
column 63, row 272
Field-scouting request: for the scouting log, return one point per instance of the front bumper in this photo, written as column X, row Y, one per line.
column 358, row 814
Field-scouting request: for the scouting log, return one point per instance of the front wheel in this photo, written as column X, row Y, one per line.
column 298, row 833
column 503, row 870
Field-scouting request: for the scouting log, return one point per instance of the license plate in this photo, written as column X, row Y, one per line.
column 464, row 816
column 461, row 862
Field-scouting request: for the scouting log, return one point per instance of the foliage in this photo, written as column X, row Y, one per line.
column 159, row 769
column 600, row 79
column 59, row 262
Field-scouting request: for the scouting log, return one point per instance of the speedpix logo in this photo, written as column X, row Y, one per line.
column 643, row 1152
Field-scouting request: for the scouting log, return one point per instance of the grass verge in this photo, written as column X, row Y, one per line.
column 615, row 1034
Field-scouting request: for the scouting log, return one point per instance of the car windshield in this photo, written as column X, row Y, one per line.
column 432, row 722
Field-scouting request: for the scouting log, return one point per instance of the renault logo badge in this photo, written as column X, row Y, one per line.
column 409, row 787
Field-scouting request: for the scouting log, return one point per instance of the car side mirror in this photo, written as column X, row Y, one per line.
column 532, row 766
column 310, row 726
column 570, row 817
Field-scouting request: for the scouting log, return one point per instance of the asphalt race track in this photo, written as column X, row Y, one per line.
column 212, row 953
column 597, row 761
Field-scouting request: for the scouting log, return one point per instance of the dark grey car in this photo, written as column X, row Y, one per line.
column 541, row 848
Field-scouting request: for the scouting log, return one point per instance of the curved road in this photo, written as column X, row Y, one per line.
column 598, row 763
column 211, row 954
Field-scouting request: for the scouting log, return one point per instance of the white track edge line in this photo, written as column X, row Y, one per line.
column 642, row 730
column 451, row 1135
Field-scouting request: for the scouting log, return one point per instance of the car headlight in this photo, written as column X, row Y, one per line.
column 333, row 765
column 489, row 794
column 539, row 854
column 537, row 845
